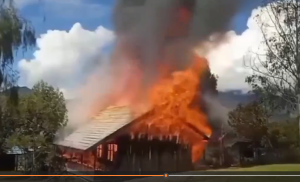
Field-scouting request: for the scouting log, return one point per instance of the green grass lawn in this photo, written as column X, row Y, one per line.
column 273, row 167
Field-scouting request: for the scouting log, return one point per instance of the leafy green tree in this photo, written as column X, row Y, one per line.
column 276, row 75
column 43, row 113
column 208, row 88
column 16, row 33
column 250, row 121
column 284, row 138
column 283, row 134
column 8, row 120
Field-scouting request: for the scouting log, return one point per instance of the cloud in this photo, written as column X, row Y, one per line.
column 75, row 62
column 64, row 59
column 227, row 60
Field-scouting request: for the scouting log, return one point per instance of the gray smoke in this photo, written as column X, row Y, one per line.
column 150, row 31
column 217, row 113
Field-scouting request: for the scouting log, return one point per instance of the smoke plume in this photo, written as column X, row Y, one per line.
column 161, row 33
column 217, row 113
column 151, row 34
column 157, row 31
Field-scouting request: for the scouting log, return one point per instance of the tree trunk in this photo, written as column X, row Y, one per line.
column 33, row 160
column 298, row 73
column 298, row 116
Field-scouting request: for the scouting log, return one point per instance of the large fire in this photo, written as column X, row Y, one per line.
column 173, row 96
column 151, row 72
column 175, row 110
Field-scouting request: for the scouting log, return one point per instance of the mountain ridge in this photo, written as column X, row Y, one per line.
column 229, row 98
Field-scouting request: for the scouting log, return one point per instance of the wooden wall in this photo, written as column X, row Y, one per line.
column 140, row 153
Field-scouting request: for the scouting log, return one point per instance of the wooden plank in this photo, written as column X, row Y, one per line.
column 155, row 155
column 144, row 155
column 149, row 166
column 164, row 155
column 174, row 147
column 133, row 153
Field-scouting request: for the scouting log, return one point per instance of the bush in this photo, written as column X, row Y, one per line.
column 292, row 156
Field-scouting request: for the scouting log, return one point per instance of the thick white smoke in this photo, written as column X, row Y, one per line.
column 73, row 61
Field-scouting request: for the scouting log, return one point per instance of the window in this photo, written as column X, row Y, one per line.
column 99, row 151
column 112, row 149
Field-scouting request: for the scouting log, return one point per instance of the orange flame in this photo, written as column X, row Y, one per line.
column 174, row 109
column 172, row 97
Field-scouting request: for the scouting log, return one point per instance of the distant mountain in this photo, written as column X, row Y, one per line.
column 229, row 99
column 232, row 98
column 21, row 90
column 24, row 90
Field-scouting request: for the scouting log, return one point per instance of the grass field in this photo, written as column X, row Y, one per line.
column 273, row 167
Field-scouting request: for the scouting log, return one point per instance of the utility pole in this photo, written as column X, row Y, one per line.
column 221, row 139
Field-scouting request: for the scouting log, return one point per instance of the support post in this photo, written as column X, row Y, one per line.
column 95, row 158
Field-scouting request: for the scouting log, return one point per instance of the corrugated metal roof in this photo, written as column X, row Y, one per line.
column 104, row 124
column 16, row 150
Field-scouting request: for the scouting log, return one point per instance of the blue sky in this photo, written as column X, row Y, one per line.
column 46, row 16
column 92, row 13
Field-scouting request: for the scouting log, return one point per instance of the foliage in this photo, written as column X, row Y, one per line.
column 8, row 120
column 15, row 33
column 277, row 73
column 208, row 88
column 42, row 114
column 249, row 121
column 283, row 134
column 209, row 82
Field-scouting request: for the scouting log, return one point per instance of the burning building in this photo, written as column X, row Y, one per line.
column 110, row 142
column 158, row 122
column 123, row 138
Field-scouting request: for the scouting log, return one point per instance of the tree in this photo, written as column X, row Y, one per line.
column 208, row 89
column 284, row 138
column 43, row 113
column 250, row 121
column 276, row 76
column 8, row 120
column 15, row 33
column 283, row 134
